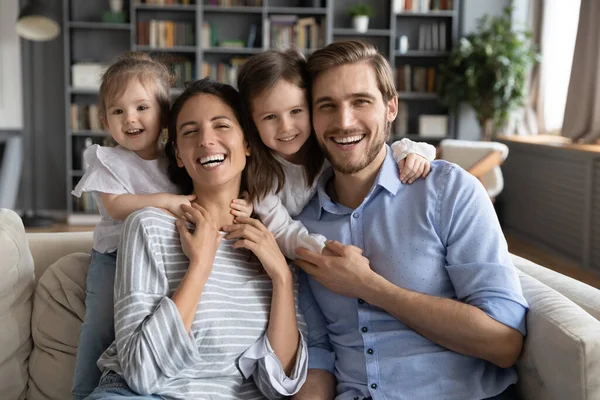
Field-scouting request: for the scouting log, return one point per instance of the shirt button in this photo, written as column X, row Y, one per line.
column 355, row 215
column 361, row 301
column 374, row 386
column 364, row 329
column 370, row 351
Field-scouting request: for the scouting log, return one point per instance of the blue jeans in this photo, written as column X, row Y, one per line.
column 112, row 386
column 98, row 328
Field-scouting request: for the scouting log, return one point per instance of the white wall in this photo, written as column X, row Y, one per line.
column 11, row 100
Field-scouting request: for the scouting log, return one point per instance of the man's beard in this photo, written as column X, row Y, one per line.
column 345, row 166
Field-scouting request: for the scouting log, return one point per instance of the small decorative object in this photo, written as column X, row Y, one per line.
column 360, row 14
column 433, row 126
column 403, row 45
column 487, row 70
column 116, row 13
column 116, row 6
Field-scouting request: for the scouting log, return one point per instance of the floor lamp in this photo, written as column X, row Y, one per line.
column 36, row 22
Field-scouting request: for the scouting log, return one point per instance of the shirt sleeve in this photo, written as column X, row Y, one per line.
column 477, row 258
column 404, row 147
column 152, row 342
column 260, row 361
column 100, row 175
column 320, row 351
column 289, row 233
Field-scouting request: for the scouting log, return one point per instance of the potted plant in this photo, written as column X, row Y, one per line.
column 360, row 14
column 487, row 70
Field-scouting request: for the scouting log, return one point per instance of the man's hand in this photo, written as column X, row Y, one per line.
column 340, row 268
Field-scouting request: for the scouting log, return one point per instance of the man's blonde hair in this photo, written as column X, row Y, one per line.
column 351, row 52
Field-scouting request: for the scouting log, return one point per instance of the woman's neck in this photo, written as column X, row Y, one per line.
column 217, row 201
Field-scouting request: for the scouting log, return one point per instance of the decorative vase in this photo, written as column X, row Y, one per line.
column 360, row 23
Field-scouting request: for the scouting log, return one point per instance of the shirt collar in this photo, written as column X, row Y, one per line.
column 388, row 178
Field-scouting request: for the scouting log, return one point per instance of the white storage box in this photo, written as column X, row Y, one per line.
column 87, row 75
column 433, row 126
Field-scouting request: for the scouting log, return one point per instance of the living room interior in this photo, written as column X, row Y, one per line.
column 515, row 107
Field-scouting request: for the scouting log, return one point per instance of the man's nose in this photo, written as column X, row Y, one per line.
column 345, row 117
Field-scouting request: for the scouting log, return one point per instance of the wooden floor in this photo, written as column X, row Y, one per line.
column 516, row 245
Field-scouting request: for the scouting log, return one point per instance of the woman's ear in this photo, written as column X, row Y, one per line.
column 247, row 149
column 179, row 162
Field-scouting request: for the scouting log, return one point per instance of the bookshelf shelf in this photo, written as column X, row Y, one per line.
column 370, row 32
column 233, row 9
column 427, row 14
column 417, row 96
column 232, row 50
column 176, row 49
column 424, row 53
column 88, row 91
column 298, row 10
column 89, row 133
column 99, row 25
column 166, row 7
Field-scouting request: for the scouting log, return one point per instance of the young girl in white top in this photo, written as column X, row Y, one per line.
column 273, row 85
column 134, row 105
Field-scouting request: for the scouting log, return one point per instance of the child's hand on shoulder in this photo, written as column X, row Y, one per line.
column 413, row 167
column 174, row 202
column 242, row 207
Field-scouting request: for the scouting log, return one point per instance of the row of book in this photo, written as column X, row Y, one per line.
column 410, row 78
column 231, row 3
column 432, row 37
column 422, row 5
column 165, row 34
column 282, row 31
column 166, row 2
column 85, row 117
column 224, row 72
column 85, row 203
column 210, row 38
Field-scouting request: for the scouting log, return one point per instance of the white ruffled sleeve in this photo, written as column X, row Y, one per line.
column 405, row 146
column 101, row 173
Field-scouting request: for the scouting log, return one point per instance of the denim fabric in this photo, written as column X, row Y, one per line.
column 98, row 329
column 112, row 386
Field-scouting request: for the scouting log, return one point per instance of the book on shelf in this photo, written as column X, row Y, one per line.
column 418, row 79
column 400, row 6
column 224, row 72
column 432, row 37
column 164, row 34
column 166, row 2
column 286, row 30
column 85, row 117
column 210, row 38
column 86, row 203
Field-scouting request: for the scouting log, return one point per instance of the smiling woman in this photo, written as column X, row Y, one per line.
column 195, row 314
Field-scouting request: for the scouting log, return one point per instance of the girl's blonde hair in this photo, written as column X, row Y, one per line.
column 151, row 73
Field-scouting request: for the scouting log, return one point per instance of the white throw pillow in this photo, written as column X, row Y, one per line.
column 17, row 283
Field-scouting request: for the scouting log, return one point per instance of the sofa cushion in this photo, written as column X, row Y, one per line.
column 58, row 312
column 561, row 353
column 585, row 296
column 16, row 288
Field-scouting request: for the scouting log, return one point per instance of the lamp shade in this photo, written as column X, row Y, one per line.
column 37, row 21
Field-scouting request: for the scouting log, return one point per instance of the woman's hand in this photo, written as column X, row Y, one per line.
column 201, row 246
column 173, row 203
column 255, row 237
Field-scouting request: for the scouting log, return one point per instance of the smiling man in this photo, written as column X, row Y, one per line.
column 417, row 297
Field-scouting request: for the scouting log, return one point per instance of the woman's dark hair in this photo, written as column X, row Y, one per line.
column 178, row 175
column 262, row 72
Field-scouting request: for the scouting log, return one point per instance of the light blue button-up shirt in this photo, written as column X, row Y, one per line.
column 439, row 236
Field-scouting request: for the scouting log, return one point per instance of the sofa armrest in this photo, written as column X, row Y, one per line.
column 47, row 248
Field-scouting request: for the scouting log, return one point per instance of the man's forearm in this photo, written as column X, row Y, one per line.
column 455, row 325
column 319, row 385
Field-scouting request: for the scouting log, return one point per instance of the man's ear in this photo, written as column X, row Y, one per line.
column 392, row 109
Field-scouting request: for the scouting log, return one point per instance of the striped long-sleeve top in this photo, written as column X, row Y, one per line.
column 226, row 354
